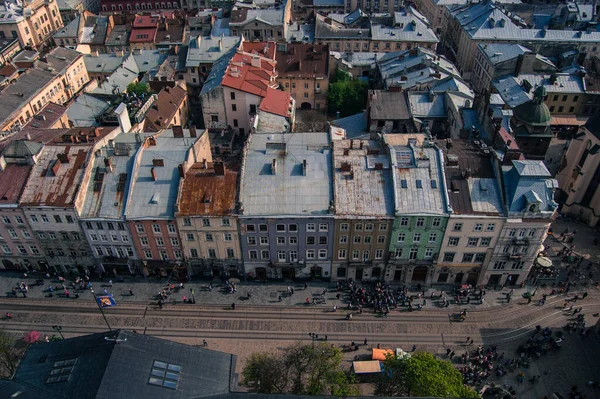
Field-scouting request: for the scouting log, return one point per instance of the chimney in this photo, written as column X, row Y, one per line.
column 123, row 116
column 255, row 62
column 181, row 172
column 304, row 167
column 361, row 145
column 64, row 157
column 151, row 140
column 219, row 168
column 274, row 167
column 108, row 164
column 177, row 131
column 205, row 163
column 153, row 173
column 158, row 162
column 192, row 131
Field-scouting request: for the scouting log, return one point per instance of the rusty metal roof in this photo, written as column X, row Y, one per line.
column 206, row 193
column 12, row 181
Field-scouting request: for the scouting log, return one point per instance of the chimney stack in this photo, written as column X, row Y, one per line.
column 123, row 116
column 205, row 163
column 153, row 172
column 304, row 167
column 181, row 172
column 192, row 131
column 274, row 167
column 219, row 168
column 64, row 157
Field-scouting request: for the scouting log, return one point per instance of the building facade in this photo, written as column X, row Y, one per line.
column 33, row 24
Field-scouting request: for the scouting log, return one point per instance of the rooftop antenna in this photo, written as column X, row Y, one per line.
column 115, row 340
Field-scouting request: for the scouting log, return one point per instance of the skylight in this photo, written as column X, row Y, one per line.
column 164, row 374
column 61, row 371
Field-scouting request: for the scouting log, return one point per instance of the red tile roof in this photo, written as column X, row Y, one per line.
column 145, row 21
column 251, row 74
column 142, row 35
column 12, row 181
column 265, row 49
column 506, row 137
column 47, row 117
column 277, row 102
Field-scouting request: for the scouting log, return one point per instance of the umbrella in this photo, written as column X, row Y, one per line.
column 544, row 262
column 31, row 337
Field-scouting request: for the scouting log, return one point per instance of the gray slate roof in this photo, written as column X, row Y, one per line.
column 207, row 50
column 288, row 192
column 529, row 181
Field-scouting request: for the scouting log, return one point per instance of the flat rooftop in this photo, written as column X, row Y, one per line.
column 291, row 189
column 363, row 181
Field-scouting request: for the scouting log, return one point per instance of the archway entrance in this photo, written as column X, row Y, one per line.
column 288, row 273
column 305, row 106
column 261, row 273
column 8, row 264
column 419, row 274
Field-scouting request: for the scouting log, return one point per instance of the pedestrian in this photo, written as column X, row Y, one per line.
column 233, row 306
column 160, row 303
column 305, row 286
column 414, row 348
column 110, row 283
column 471, row 343
column 448, row 352
column 326, row 338
column 105, row 292
column 452, row 355
column 468, row 339
column 279, row 298
column 130, row 292
column 292, row 291
column 335, row 308
column 365, row 342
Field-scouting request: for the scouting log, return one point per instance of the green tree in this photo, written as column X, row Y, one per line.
column 9, row 354
column 299, row 369
column 422, row 375
column 346, row 95
column 137, row 88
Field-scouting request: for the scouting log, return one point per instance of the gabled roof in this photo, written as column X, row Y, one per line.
column 528, row 182
column 250, row 73
column 531, row 168
column 22, row 149
column 47, row 116
column 277, row 102
column 164, row 109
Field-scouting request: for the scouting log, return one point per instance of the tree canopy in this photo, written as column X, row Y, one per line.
column 422, row 375
column 137, row 88
column 346, row 95
column 10, row 355
column 299, row 369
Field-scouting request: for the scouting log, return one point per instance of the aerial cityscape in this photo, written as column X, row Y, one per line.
column 299, row 198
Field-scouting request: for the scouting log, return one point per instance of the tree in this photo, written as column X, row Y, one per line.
column 346, row 95
column 9, row 355
column 422, row 375
column 137, row 88
column 299, row 369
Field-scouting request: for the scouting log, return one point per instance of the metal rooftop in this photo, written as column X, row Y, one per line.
column 287, row 174
column 363, row 184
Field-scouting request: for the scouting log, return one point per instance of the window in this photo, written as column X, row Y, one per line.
column 468, row 257
column 428, row 253
column 233, row 107
column 280, row 228
column 413, row 253
column 512, row 232
column 139, row 227
column 99, row 225
column 190, row 236
column 343, row 239
column 114, row 237
column 294, row 256
column 171, row 228
column 457, row 227
column 490, row 227
column 262, row 227
column 379, row 254
column 355, row 254
column 420, row 222
column 449, row 256
column 505, row 249
column 401, row 237
column 436, row 222
column 310, row 227
column 432, row 237
column 164, row 374
column 228, row 237
column 57, row 219
column 398, row 253
column 518, row 265
column 478, row 227
column 252, row 108
column 310, row 254
column 323, row 240
column 453, row 241
column 293, row 240
column 417, row 237
column 174, row 241
column 383, row 227
column 369, row 227
column 485, row 242
column 499, row 265
column 65, row 236
column 26, row 234
column 253, row 254
column 264, row 240
column 226, row 222
column 403, row 221
column 357, row 239
column 522, row 232
column 292, row 227
column 473, row 241
column 19, row 219
column 342, row 254
column 310, row 240
column 209, row 237
column 109, row 225
column 45, row 219
column 344, row 227
column 206, row 222
column 160, row 242
column 367, row 239
column 187, row 221
column 358, row 227
column 34, row 250
column 380, row 239
column 531, row 233
column 6, row 249
column 280, row 240
column 322, row 254
column 52, row 236
column 365, row 255
column 93, row 237
column 34, row 219
column 250, row 227
column 230, row 253
column 281, row 256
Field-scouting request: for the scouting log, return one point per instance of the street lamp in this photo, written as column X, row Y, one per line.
column 101, row 310
column 59, row 330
